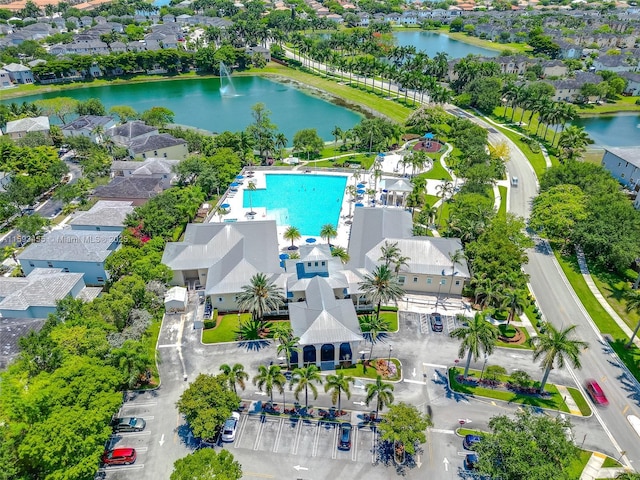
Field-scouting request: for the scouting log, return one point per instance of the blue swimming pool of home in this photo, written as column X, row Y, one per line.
column 306, row 201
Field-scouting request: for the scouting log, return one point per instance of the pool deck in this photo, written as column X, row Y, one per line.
column 238, row 213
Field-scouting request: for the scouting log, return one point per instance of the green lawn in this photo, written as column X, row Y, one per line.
column 468, row 431
column 554, row 401
column 622, row 104
column 226, row 329
column 502, row 211
column 150, row 340
column 358, row 371
column 611, row 463
column 536, row 159
column 437, row 172
column 522, row 48
column 523, row 346
column 391, row 317
column 604, row 322
column 613, row 286
column 585, row 410
column 577, row 464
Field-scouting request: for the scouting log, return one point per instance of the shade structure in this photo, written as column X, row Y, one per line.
column 359, row 204
column 380, row 154
column 428, row 136
column 361, row 185
column 225, row 206
column 234, row 184
column 360, row 192
column 310, row 240
column 239, row 177
column 284, row 256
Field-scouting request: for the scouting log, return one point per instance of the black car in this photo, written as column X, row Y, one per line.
column 436, row 322
column 345, row 437
column 129, row 424
column 470, row 441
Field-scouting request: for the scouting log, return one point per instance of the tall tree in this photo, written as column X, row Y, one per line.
column 403, row 423
column 382, row 285
column 515, row 301
column 262, row 130
column 269, row 378
column 292, row 233
column 338, row 384
column 374, row 328
column 478, row 336
column 381, row 391
column 555, row 347
column 328, row 231
column 261, row 296
column 306, row 378
column 632, row 297
column 235, row 375
column 207, row 464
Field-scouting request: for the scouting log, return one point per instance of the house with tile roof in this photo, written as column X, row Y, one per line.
column 137, row 190
column 222, row 257
column 77, row 251
column 20, row 128
column 161, row 145
column 104, row 216
column 36, row 295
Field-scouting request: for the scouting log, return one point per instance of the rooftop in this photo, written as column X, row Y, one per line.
column 72, row 246
column 32, row 124
column 628, row 154
column 106, row 213
column 43, row 287
column 129, row 187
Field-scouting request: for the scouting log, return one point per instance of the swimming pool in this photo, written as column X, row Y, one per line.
column 306, row 202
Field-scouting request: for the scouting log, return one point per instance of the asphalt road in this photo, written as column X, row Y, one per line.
column 560, row 306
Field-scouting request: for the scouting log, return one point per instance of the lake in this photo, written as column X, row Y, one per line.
column 622, row 130
column 198, row 103
column 432, row 43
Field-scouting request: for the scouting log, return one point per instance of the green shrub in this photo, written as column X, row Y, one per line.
column 209, row 324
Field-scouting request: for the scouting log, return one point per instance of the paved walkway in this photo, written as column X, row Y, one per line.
column 568, row 399
column 593, row 470
column 584, row 269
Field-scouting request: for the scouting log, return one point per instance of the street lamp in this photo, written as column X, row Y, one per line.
column 439, row 287
column 390, row 350
column 486, row 357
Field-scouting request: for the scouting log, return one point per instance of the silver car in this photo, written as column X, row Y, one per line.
column 229, row 427
column 129, row 424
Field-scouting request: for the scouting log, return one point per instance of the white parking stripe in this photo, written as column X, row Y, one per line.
column 354, row 452
column 256, row 444
column 435, row 365
column 138, row 405
column 334, row 452
column 374, row 453
column 440, row 430
column 278, row 435
column 135, row 466
column 134, row 434
column 296, row 442
column 315, row 441
column 244, row 419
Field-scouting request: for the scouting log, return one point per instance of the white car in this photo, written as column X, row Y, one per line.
column 229, row 427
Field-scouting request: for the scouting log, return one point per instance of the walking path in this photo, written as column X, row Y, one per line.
column 593, row 470
column 568, row 399
column 584, row 270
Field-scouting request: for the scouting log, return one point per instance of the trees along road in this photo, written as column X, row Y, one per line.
column 560, row 305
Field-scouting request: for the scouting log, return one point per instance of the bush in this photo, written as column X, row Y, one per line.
column 210, row 324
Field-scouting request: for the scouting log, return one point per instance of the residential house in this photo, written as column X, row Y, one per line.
column 161, row 168
column 633, row 83
column 20, row 128
column 36, row 295
column 104, row 216
column 19, row 73
column 259, row 50
column 568, row 89
column 161, row 145
column 222, row 257
column 554, row 68
column 90, row 126
column 137, row 190
column 78, row 251
column 624, row 165
column 613, row 63
column 123, row 134
column 5, row 79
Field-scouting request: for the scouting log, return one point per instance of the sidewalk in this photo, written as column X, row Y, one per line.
column 593, row 470
column 584, row 269
column 568, row 399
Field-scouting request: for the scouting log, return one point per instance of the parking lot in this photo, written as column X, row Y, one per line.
column 303, row 438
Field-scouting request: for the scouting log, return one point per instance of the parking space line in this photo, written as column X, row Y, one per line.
column 256, row 444
column 374, row 441
column 278, row 435
column 297, row 440
column 134, row 434
column 435, row 365
column 354, row 452
column 138, row 466
column 334, row 452
column 244, row 419
column 314, row 452
column 136, row 405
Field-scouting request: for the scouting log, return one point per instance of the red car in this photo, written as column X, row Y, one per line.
column 595, row 392
column 119, row 456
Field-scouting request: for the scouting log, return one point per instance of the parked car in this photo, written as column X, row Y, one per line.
column 129, row 424
column 471, row 461
column 595, row 392
column 345, row 437
column 470, row 441
column 436, row 322
column 119, row 456
column 229, row 427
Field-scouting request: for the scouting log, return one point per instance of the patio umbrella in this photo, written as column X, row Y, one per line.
column 360, row 192
column 225, row 206
column 310, row 240
column 361, row 185
column 234, row 184
column 359, row 204
column 380, row 154
column 284, row 256
column 239, row 177
column 429, row 136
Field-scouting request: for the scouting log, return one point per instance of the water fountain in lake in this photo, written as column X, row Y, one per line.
column 226, row 84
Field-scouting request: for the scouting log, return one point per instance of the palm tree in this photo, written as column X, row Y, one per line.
column 390, row 252
column 573, row 143
column 305, row 378
column 633, row 303
column 251, row 187
column 455, row 258
column 328, row 231
column 555, row 347
column 478, row 335
column 515, row 300
column 444, row 190
column 260, row 297
column 292, row 233
column 280, row 143
column 381, row 286
column 628, row 476
column 341, row 253
column 269, row 378
column 288, row 346
column 489, row 292
column 337, row 133
column 373, row 328
column 383, row 391
column 338, row 383
column 235, row 375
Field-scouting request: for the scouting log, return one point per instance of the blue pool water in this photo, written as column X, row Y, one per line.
column 306, row 202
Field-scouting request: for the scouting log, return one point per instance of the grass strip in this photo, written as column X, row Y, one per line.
column 554, row 401
column 585, row 410
column 502, row 211
column 225, row 330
